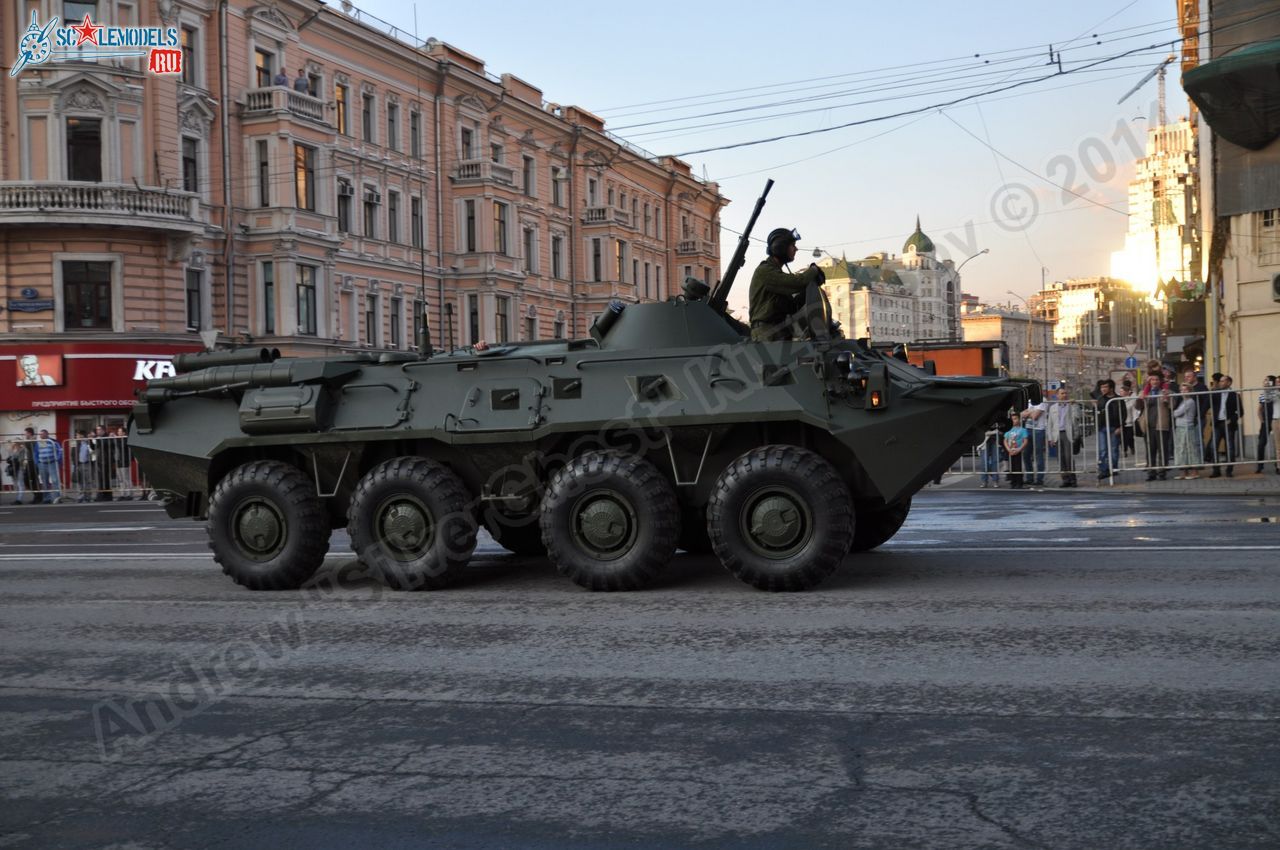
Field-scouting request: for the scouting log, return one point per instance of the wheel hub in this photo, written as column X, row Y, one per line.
column 776, row 522
column 406, row 527
column 604, row 524
column 259, row 528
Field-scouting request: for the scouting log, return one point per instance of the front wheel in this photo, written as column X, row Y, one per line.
column 876, row 524
column 780, row 518
column 610, row 521
column 409, row 522
column 266, row 528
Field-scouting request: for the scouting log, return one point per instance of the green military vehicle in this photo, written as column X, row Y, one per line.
column 667, row 428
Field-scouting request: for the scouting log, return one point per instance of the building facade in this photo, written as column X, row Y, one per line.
column 891, row 298
column 315, row 180
column 1101, row 311
column 1029, row 340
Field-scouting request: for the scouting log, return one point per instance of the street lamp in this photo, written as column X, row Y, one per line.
column 967, row 259
column 1044, row 351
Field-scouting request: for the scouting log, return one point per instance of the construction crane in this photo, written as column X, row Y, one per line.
column 1157, row 72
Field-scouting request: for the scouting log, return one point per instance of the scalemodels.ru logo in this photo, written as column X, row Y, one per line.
column 87, row 40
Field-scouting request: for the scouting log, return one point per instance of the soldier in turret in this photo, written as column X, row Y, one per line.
column 777, row 294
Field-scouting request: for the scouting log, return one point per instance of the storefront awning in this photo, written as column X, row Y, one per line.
column 1239, row 94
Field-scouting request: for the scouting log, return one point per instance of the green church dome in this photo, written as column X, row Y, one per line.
column 921, row 243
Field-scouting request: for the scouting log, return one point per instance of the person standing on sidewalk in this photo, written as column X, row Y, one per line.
column 1110, row 411
column 1062, row 433
column 1226, row 424
column 1015, row 443
column 1266, row 415
column 124, row 464
column 989, row 454
column 32, row 471
column 83, row 466
column 48, row 461
column 1036, row 420
column 1186, row 437
column 15, row 458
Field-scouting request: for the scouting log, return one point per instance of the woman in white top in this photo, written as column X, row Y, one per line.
column 1062, row 433
column 1186, row 437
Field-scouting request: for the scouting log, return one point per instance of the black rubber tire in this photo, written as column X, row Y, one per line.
column 619, row 483
column 694, row 537
column 418, row 488
column 287, row 497
column 791, row 476
column 518, row 535
column 877, row 523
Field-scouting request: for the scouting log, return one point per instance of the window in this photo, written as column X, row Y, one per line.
column 530, row 250
column 597, row 270
column 470, row 208
column 646, row 280
column 621, row 258
column 610, row 196
column 268, row 297
column 263, row 67
column 593, row 191
column 393, row 216
column 307, row 300
column 419, row 323
column 366, row 117
column 657, row 281
column 530, row 328
column 684, row 227
column 397, row 321
column 304, row 176
column 371, row 318
column 688, row 272
column 647, row 219
column 264, row 174
column 502, row 319
column 371, row 201
column 557, row 256
column 84, row 149
column 496, row 153
column 190, row 165
column 313, row 84
column 557, row 185
column 345, row 191
column 467, row 139
column 500, row 227
column 194, row 280
column 415, row 134
column 473, row 317
column 635, row 271
column 635, row 213
column 86, row 295
column 188, row 40
column 1269, row 218
column 341, row 96
column 530, row 177
column 393, row 126
column 657, row 224
column 415, row 222
column 559, row 329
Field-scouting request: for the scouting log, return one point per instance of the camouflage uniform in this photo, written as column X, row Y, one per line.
column 773, row 299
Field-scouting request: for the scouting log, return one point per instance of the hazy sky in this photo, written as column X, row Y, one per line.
column 858, row 190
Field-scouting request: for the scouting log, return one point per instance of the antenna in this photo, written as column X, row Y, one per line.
column 1157, row 72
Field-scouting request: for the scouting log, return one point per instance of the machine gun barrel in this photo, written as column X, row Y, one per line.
column 720, row 297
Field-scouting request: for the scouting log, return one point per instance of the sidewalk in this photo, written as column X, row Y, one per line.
column 1245, row 482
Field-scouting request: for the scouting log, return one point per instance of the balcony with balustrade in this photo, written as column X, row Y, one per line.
column 597, row 216
column 477, row 172
column 82, row 204
column 696, row 247
column 278, row 101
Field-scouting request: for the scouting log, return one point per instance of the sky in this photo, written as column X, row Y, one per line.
column 1036, row 175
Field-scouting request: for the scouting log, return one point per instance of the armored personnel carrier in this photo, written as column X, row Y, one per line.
column 665, row 429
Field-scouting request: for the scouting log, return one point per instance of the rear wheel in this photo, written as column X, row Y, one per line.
column 610, row 521
column 266, row 527
column 780, row 518
column 410, row 523
column 877, row 523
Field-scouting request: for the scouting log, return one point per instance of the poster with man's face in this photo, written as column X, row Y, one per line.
column 40, row 370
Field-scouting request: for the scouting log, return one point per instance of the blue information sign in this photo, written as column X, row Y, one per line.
column 1131, row 362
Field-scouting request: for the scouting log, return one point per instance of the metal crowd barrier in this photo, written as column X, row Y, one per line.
column 73, row 470
column 1189, row 447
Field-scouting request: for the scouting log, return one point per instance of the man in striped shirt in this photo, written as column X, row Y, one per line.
column 48, row 462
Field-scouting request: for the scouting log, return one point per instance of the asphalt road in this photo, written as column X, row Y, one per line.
column 1013, row 670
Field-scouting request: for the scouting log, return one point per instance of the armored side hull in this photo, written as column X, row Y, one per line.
column 667, row 427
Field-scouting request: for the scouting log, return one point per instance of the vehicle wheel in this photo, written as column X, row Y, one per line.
column 520, row 535
column 410, row 523
column 694, row 537
column 266, row 527
column 876, row 524
column 780, row 518
column 610, row 521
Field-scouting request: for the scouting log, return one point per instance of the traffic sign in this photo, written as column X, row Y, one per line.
column 1131, row 362
column 1131, row 348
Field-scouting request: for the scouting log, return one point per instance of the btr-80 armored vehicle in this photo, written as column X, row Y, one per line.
column 666, row 428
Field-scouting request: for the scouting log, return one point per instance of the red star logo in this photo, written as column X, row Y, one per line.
column 87, row 31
